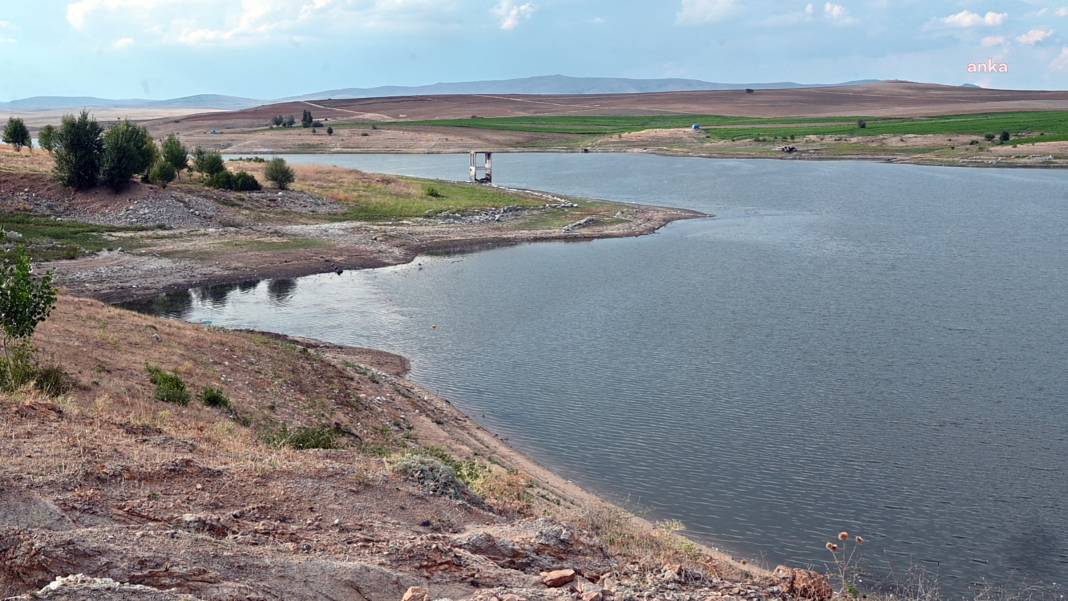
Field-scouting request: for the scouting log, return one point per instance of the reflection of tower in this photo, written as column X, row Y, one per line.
column 281, row 290
column 485, row 167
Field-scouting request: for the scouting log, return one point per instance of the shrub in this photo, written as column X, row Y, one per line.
column 78, row 148
column 435, row 476
column 289, row 121
column 224, row 180
column 128, row 150
column 52, row 380
column 175, row 153
column 169, row 386
column 989, row 137
column 245, row 182
column 302, row 439
column 329, row 131
column 306, row 119
column 25, row 301
column 16, row 134
column 213, row 397
column 46, row 138
column 278, row 120
column 1005, row 135
column 279, row 173
column 862, row 124
column 162, row 173
column 433, row 192
column 749, row 90
column 208, row 162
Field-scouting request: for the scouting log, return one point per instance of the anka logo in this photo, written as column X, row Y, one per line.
column 988, row 67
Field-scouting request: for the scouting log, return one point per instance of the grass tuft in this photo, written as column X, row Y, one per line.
column 169, row 386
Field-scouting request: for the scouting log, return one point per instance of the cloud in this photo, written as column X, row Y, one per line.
column 510, row 14
column 967, row 18
column 1035, row 36
column 1061, row 62
column 699, row 12
column 121, row 43
column 994, row 40
column 835, row 12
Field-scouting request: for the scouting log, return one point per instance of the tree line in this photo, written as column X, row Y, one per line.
column 306, row 121
column 87, row 155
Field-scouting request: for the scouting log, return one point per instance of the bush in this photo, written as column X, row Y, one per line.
column 989, row 137
column 16, row 134
column 128, row 150
column 862, row 124
column 25, row 301
column 433, row 192
column 1005, row 135
column 46, row 138
column 169, row 386
column 53, row 381
column 175, row 154
column 329, row 131
column 302, row 439
column 213, row 397
column 434, row 475
column 208, row 162
column 245, row 182
column 223, row 180
column 289, row 121
column 162, row 173
column 78, row 148
column 279, row 173
column 306, row 119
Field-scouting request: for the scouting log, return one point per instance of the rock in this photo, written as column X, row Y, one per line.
column 592, row 596
column 416, row 593
column 10, row 235
column 805, row 584
column 557, row 578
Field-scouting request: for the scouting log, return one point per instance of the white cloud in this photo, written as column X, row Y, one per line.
column 1061, row 62
column 1062, row 12
column 510, row 14
column 1035, row 36
column 121, row 43
column 967, row 18
column 994, row 40
column 810, row 9
column 836, row 13
column 699, row 12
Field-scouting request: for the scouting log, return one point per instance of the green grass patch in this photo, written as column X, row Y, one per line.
column 48, row 239
column 213, row 397
column 371, row 202
column 304, row 438
column 169, row 386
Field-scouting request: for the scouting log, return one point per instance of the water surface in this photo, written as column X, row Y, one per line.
column 861, row 346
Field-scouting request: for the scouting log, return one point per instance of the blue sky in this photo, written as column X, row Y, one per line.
column 274, row 48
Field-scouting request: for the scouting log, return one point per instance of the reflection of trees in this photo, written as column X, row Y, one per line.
column 216, row 295
column 280, row 291
column 249, row 285
column 173, row 304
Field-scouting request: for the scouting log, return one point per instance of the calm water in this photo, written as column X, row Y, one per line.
column 877, row 348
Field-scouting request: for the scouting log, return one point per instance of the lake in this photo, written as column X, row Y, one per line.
column 845, row 346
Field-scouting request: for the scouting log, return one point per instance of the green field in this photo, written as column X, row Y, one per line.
column 1030, row 126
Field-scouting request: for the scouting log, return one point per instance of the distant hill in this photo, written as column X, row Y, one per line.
column 546, row 84
column 73, row 103
column 557, row 84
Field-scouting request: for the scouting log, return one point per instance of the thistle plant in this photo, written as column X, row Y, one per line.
column 845, row 557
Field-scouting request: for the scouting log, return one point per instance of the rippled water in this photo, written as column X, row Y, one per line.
column 870, row 347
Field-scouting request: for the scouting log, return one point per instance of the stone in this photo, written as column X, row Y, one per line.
column 557, row 578
column 592, row 596
column 805, row 584
column 416, row 593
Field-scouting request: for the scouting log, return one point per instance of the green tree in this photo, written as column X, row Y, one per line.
column 16, row 134
column 278, row 172
column 176, row 154
column 208, row 162
column 245, row 182
column 862, row 124
column 25, row 301
column 306, row 119
column 1005, row 135
column 289, row 121
column 329, row 131
column 78, row 149
column 162, row 172
column 46, row 138
column 128, row 150
column 278, row 120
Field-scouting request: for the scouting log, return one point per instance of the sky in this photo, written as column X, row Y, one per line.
column 267, row 49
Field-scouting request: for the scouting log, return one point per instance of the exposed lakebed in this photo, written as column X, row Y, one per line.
column 860, row 346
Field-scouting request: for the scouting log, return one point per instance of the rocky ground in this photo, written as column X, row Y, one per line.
column 110, row 494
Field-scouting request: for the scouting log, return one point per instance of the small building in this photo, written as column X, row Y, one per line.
column 481, row 168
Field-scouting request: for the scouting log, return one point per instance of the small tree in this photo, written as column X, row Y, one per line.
column 162, row 173
column 329, row 131
column 289, row 121
column 278, row 172
column 176, row 154
column 78, row 149
column 1005, row 135
column 16, row 134
column 46, row 138
column 25, row 301
column 306, row 119
column 278, row 120
column 862, row 124
column 128, row 150
column 208, row 162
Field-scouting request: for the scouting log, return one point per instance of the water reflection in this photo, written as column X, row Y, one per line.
column 281, row 290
